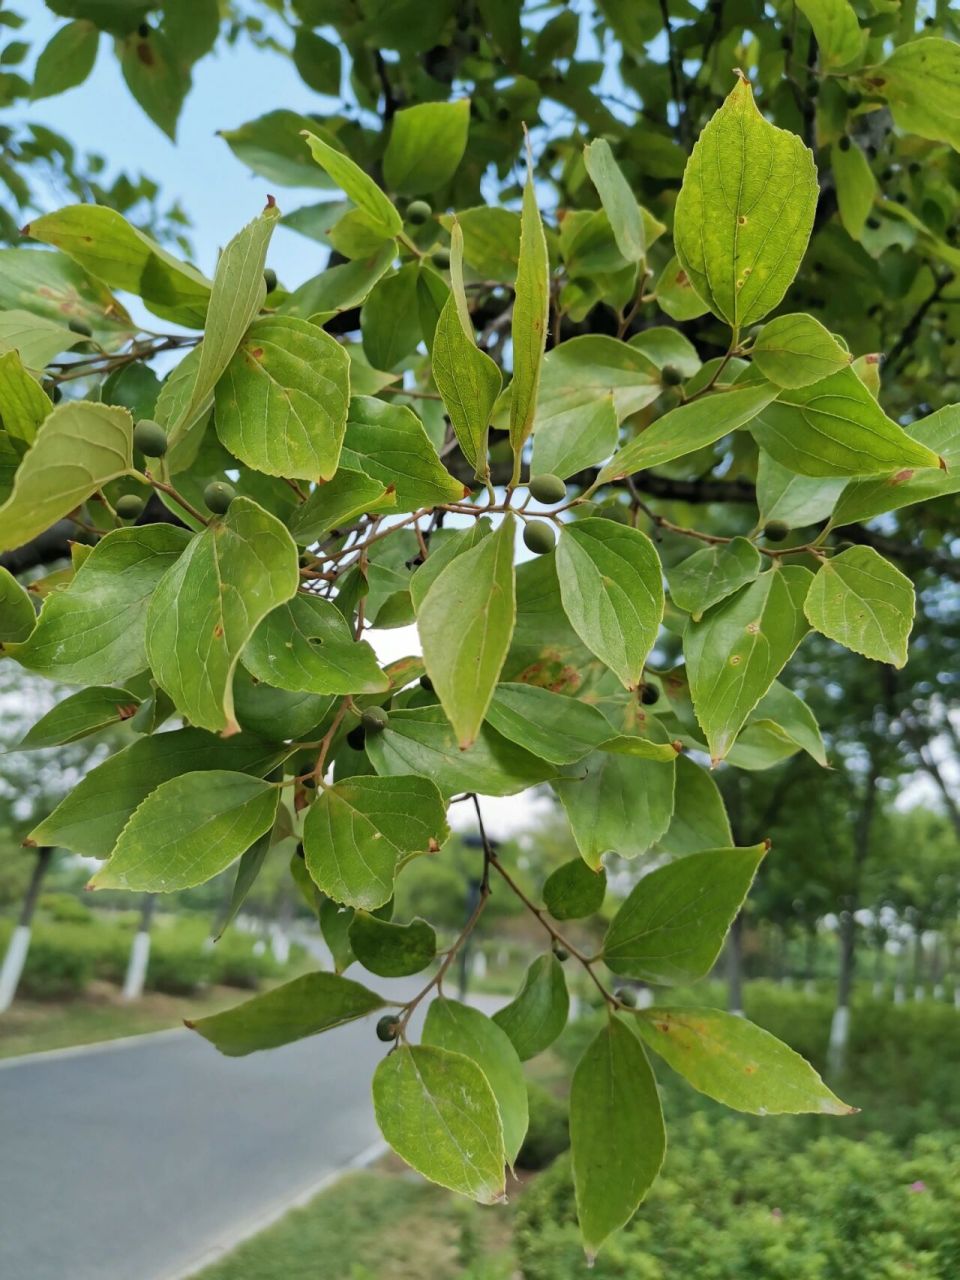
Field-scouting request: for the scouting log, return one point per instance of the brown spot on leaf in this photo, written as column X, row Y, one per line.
column 145, row 54
column 127, row 711
column 218, row 631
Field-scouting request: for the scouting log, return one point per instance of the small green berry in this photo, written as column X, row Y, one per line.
column 548, row 489
column 440, row 258
column 538, row 537
column 560, row 952
column 388, row 1027
column 218, row 495
column 81, row 327
column 374, row 720
column 670, row 375
column 270, row 279
column 129, row 506
column 649, row 694
column 418, row 211
column 775, row 530
column 150, row 438
column 357, row 737
column 627, row 996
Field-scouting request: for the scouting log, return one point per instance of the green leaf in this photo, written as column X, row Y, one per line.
column 574, row 890
column 864, row 603
column 422, row 741
column 339, row 288
column 710, row 575
column 188, row 830
column 437, row 1111
column 795, row 350
column 208, row 605
column 617, row 199
column 664, row 345
column 921, row 82
column 338, row 503
column 530, row 316
column 617, row 803
column 445, row 545
column 940, row 432
column 94, row 630
column 797, row 501
column 838, row 33
column 459, row 1028
column 676, row 295
column 569, row 442
column 272, row 146
column 106, row 245
column 281, row 404
column 356, row 832
column 66, row 60
column 52, row 285
column 23, row 402
column 745, row 211
column 34, row 338
column 699, row 819
column 90, row 819
column 467, row 378
column 392, row 950
column 79, row 448
column 249, row 867
column 426, row 145
column 390, row 319
column 672, row 924
column 690, row 427
column 78, row 716
column 305, row 646
column 277, row 714
column 491, row 240
column 238, row 294
column 551, row 725
column 538, row 1012
column 856, row 187
column 465, row 623
column 312, row 1003
column 317, row 61
column 17, row 615
column 355, row 184
column 739, row 648
column 617, row 1137
column 389, row 443
column 784, row 716
column 335, row 922
column 582, row 371
column 737, row 1063
column 612, row 590
column 155, row 76
column 835, row 428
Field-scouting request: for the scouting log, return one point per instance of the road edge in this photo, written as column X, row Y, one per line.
column 262, row 1221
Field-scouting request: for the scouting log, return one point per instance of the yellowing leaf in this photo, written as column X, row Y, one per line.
column 77, row 450
column 745, row 211
column 795, row 350
column 207, row 606
column 466, row 622
column 864, row 603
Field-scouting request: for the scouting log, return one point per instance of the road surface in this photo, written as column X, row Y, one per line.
column 138, row 1159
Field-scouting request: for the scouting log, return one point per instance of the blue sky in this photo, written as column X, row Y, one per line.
column 230, row 87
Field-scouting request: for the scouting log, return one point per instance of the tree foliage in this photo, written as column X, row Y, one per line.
column 635, row 359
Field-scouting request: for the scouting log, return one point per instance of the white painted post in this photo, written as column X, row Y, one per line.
column 139, row 960
column 16, row 954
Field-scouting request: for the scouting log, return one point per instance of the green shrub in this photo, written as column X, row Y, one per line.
column 735, row 1202
column 65, row 908
column 55, row 970
column 235, row 964
column 549, row 1130
column 177, row 966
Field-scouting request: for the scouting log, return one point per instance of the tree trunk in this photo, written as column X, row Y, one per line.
column 879, row 967
column 19, row 944
column 735, row 968
column 919, row 987
column 139, row 951
column 810, row 962
column 840, row 1024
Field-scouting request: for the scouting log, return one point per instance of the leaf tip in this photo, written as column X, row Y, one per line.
column 189, row 1024
column 271, row 201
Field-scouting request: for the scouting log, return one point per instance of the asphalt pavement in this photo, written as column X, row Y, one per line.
column 139, row 1159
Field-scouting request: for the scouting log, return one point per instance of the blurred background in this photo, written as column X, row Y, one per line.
column 173, row 1156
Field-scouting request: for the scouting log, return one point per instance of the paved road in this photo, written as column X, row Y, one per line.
column 133, row 1161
